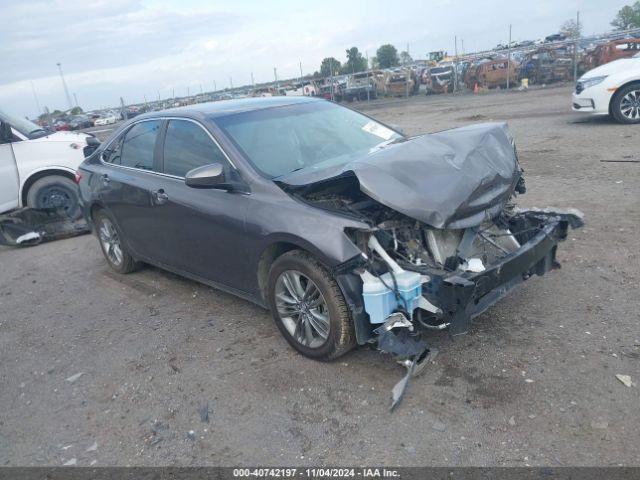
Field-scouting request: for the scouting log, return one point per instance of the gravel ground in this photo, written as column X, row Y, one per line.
column 174, row 372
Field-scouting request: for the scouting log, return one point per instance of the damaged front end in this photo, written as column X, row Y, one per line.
column 415, row 278
column 444, row 240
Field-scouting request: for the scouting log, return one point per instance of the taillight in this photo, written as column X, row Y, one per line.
column 78, row 177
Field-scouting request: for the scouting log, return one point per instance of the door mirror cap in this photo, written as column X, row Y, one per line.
column 207, row 176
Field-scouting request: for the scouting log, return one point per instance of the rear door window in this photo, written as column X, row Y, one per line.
column 139, row 144
column 187, row 146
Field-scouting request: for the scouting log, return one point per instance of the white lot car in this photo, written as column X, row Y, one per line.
column 106, row 120
column 37, row 167
column 611, row 89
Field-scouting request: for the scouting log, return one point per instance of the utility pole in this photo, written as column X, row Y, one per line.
column 301, row 72
column 455, row 65
column 64, row 84
column 575, row 49
column 462, row 47
column 188, row 93
column 231, row 82
column 275, row 75
column 215, row 87
column 509, row 59
column 35, row 95
column 253, row 83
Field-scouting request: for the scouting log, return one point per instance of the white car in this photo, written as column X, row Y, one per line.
column 108, row 120
column 611, row 89
column 37, row 167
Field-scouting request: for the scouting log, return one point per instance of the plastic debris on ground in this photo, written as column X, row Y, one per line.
column 29, row 226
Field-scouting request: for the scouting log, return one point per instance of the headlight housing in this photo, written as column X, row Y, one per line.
column 590, row 82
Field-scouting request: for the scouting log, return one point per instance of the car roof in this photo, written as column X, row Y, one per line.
column 223, row 108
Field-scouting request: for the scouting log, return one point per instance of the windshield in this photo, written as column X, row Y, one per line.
column 22, row 125
column 305, row 135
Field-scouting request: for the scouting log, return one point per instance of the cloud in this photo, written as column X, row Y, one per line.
column 136, row 49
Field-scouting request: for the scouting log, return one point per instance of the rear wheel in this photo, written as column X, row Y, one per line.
column 308, row 307
column 111, row 244
column 55, row 191
column 625, row 106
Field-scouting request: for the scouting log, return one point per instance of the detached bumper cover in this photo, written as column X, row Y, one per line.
column 465, row 296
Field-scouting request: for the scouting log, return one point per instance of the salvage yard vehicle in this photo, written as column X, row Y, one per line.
column 546, row 65
column 348, row 231
column 611, row 89
column 105, row 120
column 492, row 74
column 441, row 78
column 360, row 86
column 37, row 166
column 401, row 82
column 608, row 52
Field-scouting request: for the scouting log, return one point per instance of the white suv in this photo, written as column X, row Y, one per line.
column 37, row 167
column 611, row 89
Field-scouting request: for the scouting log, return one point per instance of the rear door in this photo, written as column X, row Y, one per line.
column 202, row 230
column 9, row 180
column 129, row 185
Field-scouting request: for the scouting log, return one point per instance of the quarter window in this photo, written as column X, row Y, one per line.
column 139, row 144
column 188, row 146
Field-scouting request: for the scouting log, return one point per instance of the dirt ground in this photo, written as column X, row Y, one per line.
column 174, row 372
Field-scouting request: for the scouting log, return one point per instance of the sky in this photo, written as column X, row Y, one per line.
column 152, row 48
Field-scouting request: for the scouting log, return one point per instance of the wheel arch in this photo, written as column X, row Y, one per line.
column 624, row 85
column 35, row 176
column 267, row 257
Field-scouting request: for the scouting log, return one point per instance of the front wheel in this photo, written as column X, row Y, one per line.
column 625, row 106
column 308, row 307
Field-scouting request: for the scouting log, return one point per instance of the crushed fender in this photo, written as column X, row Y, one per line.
column 31, row 226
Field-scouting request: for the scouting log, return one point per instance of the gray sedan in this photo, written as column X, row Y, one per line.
column 348, row 231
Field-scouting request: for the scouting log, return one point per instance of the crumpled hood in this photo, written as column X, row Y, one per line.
column 453, row 179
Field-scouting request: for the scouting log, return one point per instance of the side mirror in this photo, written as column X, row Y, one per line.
column 6, row 135
column 207, row 176
column 92, row 145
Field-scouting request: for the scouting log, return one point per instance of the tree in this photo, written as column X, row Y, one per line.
column 355, row 61
column 387, row 56
column 374, row 63
column 571, row 29
column 405, row 58
column 76, row 111
column 628, row 17
column 329, row 66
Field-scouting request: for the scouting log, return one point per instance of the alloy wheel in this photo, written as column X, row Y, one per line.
column 630, row 105
column 302, row 308
column 110, row 241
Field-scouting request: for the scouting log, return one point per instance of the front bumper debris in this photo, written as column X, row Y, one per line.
column 463, row 296
column 30, row 226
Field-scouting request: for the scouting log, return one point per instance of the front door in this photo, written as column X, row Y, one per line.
column 9, row 180
column 203, row 230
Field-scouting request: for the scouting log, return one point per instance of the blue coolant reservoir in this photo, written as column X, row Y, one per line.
column 380, row 301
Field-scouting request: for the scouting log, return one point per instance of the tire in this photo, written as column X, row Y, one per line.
column 304, row 331
column 116, row 254
column 55, row 191
column 625, row 105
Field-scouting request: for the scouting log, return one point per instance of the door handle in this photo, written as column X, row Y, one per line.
column 160, row 196
column 105, row 179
